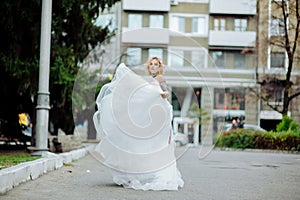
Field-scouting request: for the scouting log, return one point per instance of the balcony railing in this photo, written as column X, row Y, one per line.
column 145, row 35
column 232, row 38
column 238, row 7
column 147, row 5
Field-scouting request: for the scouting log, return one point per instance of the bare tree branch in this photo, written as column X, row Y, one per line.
column 297, row 28
column 294, row 95
column 274, row 107
column 278, row 43
column 266, row 100
column 286, row 33
column 276, row 3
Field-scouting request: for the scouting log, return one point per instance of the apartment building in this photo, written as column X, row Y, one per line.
column 273, row 59
column 211, row 55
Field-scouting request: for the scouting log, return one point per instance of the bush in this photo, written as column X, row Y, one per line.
column 241, row 138
column 286, row 124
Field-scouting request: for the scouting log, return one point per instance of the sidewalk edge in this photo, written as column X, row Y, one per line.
column 15, row 175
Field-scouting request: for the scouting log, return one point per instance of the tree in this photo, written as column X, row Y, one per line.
column 73, row 35
column 197, row 113
column 285, row 28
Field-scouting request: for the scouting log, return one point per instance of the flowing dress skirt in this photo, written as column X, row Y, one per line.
column 133, row 123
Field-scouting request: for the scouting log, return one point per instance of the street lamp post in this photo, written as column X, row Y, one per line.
column 43, row 104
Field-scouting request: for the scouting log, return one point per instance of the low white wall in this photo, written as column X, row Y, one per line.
column 13, row 176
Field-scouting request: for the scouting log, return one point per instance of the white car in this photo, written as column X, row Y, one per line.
column 181, row 139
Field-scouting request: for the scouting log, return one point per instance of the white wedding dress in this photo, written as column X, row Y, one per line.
column 133, row 123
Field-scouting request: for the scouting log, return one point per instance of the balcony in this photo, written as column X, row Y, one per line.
column 232, row 38
column 212, row 77
column 145, row 36
column 147, row 5
column 235, row 7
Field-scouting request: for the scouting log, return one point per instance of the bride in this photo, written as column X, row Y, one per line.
column 133, row 122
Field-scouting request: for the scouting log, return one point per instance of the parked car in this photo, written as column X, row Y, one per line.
column 253, row 127
column 181, row 139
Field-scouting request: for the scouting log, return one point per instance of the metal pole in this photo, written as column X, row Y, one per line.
column 43, row 104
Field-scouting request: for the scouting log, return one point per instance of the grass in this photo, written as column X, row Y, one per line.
column 11, row 159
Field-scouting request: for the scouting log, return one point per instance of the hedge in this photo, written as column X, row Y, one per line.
column 248, row 139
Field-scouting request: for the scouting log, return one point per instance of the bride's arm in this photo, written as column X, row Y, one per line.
column 162, row 82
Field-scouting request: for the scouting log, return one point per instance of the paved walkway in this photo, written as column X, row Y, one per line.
column 220, row 175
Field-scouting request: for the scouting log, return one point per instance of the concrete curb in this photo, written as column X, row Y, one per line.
column 13, row 176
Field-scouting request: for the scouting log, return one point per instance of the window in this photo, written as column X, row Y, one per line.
column 229, row 99
column 198, row 58
column 198, row 25
column 156, row 21
column 218, row 58
column 277, row 60
column 178, row 23
column 134, row 21
column 278, row 95
column 156, row 53
column 240, row 25
column 239, row 60
column 134, row 56
column 277, row 27
column 176, row 58
column 219, row 24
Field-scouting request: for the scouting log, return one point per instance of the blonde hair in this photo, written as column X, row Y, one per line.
column 160, row 68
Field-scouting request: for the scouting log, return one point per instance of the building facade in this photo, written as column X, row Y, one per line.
column 211, row 54
column 273, row 59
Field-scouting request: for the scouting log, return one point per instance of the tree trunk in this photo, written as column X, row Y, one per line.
column 285, row 101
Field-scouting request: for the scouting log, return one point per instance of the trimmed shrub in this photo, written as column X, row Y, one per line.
column 286, row 124
column 241, row 138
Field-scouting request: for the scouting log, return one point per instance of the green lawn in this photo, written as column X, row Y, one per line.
column 11, row 159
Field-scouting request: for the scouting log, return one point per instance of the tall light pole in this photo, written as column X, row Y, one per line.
column 43, row 102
